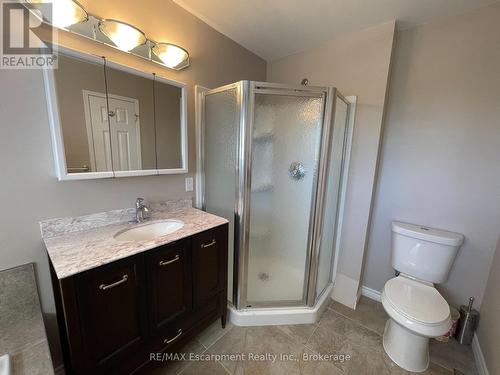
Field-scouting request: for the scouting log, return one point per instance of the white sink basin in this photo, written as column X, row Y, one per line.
column 149, row 231
column 5, row 367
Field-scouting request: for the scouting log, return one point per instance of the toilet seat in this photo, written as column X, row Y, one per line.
column 416, row 305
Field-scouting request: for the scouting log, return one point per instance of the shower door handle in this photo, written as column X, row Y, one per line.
column 297, row 170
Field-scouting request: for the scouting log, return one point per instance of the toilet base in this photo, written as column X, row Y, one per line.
column 407, row 349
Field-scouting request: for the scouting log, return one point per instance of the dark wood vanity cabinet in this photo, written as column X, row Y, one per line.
column 112, row 317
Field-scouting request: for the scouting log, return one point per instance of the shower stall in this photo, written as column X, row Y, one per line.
column 274, row 159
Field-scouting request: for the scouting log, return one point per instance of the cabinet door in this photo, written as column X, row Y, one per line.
column 112, row 311
column 170, row 287
column 209, row 252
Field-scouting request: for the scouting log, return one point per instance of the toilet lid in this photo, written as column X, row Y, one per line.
column 416, row 300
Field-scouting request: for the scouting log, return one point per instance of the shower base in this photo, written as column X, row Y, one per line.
column 272, row 277
column 281, row 315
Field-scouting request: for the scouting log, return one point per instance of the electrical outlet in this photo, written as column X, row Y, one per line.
column 189, row 184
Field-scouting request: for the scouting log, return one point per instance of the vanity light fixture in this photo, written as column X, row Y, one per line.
column 72, row 17
column 64, row 13
column 171, row 55
column 125, row 36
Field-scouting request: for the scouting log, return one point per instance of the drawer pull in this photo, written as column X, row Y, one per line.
column 105, row 287
column 164, row 263
column 213, row 242
column 168, row 341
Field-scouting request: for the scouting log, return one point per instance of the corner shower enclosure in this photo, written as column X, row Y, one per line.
column 273, row 160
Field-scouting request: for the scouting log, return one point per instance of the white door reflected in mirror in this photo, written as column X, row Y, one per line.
column 123, row 127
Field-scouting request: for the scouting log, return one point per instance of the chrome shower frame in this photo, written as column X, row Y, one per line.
column 246, row 91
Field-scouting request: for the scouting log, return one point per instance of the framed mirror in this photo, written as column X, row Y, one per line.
column 109, row 120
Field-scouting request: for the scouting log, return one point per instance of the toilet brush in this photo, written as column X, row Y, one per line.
column 467, row 324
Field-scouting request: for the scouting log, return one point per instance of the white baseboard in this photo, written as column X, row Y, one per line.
column 371, row 293
column 482, row 369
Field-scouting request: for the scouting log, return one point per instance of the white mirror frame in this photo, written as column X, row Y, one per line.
column 56, row 128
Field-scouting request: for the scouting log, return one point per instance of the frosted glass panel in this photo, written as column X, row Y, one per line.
column 286, row 134
column 221, row 128
column 327, row 244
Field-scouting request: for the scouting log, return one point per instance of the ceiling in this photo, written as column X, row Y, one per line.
column 276, row 28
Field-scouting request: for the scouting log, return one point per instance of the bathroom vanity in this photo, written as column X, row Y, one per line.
column 121, row 301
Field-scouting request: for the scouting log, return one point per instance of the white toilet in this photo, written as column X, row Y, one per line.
column 423, row 257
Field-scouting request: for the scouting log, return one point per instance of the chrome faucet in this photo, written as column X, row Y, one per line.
column 141, row 210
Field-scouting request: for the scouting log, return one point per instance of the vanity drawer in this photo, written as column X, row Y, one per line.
column 170, row 335
column 111, row 313
column 178, row 330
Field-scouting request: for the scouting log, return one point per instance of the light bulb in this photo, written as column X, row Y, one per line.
column 170, row 54
column 126, row 37
column 64, row 13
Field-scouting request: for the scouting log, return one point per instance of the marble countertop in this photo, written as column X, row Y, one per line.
column 79, row 244
column 22, row 332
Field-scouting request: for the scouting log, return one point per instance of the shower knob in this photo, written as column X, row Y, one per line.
column 297, row 170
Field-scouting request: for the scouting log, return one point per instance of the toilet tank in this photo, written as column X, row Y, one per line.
column 422, row 252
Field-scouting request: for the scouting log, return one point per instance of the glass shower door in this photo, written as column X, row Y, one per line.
column 221, row 137
column 333, row 180
column 286, row 139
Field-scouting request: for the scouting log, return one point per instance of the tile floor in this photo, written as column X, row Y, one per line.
column 340, row 331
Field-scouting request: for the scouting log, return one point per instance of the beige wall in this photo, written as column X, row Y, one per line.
column 489, row 327
column 440, row 162
column 29, row 190
column 357, row 64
